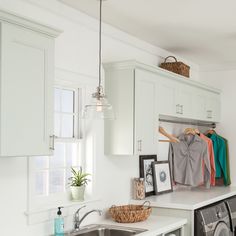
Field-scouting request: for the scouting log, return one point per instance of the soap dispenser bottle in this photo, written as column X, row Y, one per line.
column 59, row 224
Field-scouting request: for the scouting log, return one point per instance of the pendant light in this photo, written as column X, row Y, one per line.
column 99, row 107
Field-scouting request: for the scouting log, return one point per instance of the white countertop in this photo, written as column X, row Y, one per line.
column 195, row 198
column 155, row 225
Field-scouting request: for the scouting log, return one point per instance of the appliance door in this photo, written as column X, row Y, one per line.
column 222, row 230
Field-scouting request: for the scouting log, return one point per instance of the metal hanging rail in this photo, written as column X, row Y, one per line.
column 204, row 124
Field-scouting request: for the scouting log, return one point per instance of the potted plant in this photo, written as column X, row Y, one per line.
column 78, row 181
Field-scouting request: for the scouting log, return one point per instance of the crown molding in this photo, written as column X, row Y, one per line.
column 10, row 17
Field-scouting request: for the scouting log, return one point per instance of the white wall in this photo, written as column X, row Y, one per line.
column 225, row 80
column 76, row 51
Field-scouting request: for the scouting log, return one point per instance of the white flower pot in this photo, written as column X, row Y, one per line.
column 77, row 193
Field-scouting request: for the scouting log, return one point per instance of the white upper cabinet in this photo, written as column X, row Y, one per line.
column 184, row 99
column 212, row 110
column 27, row 76
column 166, row 97
column 199, row 104
column 140, row 94
column 132, row 93
column 174, row 99
column 206, row 105
column 146, row 116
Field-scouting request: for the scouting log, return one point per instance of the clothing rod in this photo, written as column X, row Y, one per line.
column 212, row 125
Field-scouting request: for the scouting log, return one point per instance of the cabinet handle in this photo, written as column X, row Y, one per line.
column 52, row 137
column 182, row 109
column 139, row 145
column 177, row 109
column 209, row 114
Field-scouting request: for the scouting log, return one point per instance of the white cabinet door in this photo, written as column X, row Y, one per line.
column 184, row 100
column 199, row 104
column 146, row 117
column 174, row 99
column 119, row 133
column 212, row 107
column 27, row 69
column 166, row 97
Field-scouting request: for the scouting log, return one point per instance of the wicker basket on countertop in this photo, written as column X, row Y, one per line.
column 177, row 67
column 130, row 213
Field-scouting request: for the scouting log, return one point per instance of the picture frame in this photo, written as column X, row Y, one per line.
column 145, row 171
column 162, row 177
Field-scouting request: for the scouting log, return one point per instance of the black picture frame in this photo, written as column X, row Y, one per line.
column 145, row 171
column 162, row 177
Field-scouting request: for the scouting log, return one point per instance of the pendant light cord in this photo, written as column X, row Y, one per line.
column 100, row 44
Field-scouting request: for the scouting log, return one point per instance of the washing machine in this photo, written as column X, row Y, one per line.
column 231, row 205
column 212, row 221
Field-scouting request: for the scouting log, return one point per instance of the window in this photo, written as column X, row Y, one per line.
column 49, row 174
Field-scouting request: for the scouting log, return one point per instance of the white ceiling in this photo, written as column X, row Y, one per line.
column 203, row 31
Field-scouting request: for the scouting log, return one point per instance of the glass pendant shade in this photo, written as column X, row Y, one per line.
column 98, row 108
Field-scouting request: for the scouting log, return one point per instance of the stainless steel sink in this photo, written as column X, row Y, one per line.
column 106, row 230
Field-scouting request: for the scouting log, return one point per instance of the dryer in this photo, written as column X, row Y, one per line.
column 212, row 221
column 231, row 205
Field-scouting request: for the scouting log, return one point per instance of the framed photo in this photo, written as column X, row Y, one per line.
column 145, row 171
column 162, row 177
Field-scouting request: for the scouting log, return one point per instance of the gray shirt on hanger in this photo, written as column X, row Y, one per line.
column 186, row 161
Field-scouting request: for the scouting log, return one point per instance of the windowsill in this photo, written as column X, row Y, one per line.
column 48, row 213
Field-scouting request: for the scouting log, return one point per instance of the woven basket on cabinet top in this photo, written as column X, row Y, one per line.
column 177, row 67
column 130, row 213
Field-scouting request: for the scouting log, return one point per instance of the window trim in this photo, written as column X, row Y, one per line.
column 35, row 203
column 77, row 132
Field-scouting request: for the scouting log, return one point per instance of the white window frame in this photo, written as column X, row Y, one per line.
column 37, row 203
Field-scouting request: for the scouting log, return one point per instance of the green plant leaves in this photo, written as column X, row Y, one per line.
column 79, row 178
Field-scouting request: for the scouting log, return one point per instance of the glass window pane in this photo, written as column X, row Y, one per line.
column 67, row 126
column 57, row 100
column 41, row 162
column 67, row 102
column 57, row 124
column 71, row 154
column 68, row 175
column 56, row 181
column 41, row 183
column 58, row 159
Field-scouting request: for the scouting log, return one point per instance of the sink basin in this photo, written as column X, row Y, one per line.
column 107, row 230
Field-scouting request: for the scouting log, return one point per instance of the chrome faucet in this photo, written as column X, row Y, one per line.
column 78, row 221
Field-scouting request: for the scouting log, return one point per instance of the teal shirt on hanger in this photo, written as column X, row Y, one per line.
column 219, row 147
column 227, row 161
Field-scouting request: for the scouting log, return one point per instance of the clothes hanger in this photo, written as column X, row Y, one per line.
column 197, row 131
column 171, row 138
column 190, row 131
column 210, row 131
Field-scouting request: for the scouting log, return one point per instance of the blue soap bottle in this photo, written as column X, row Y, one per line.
column 59, row 224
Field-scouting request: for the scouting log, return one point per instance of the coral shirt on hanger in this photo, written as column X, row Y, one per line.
column 211, row 157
